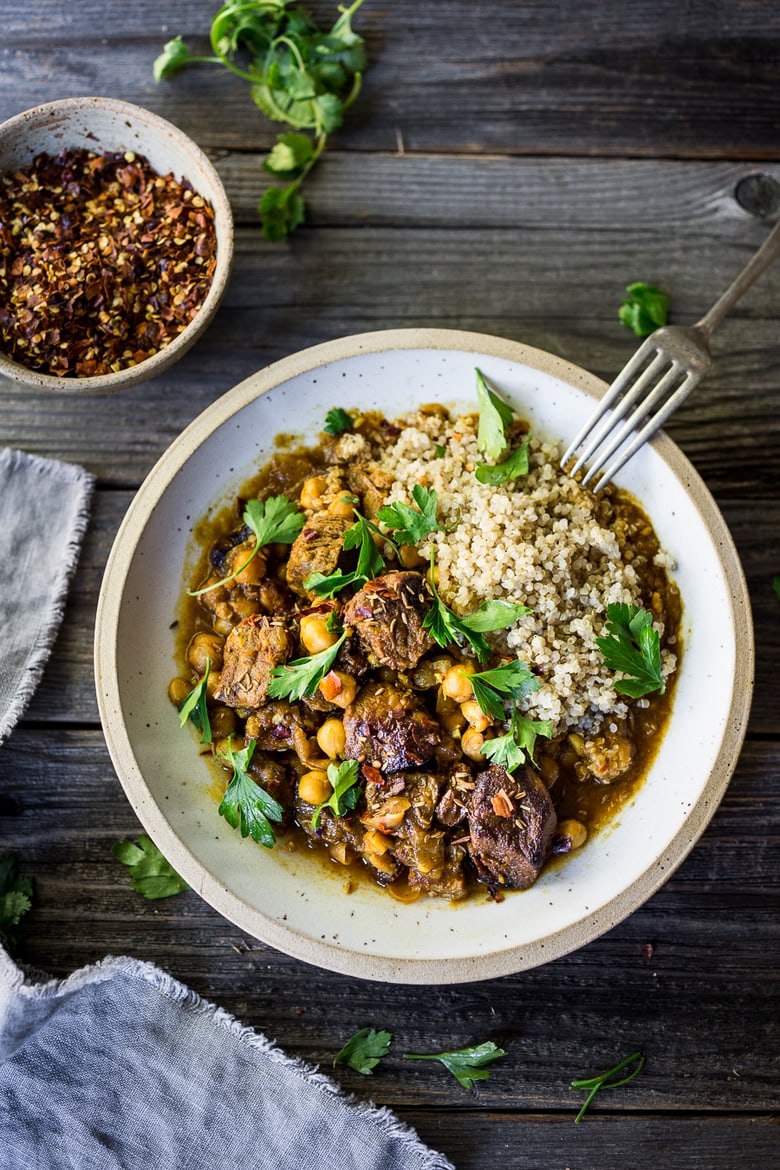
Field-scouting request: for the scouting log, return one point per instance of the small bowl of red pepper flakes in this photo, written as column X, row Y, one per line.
column 116, row 241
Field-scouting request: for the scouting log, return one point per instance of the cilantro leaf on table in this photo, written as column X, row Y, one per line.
column 16, row 894
column 364, row 1050
column 644, row 309
column 513, row 679
column 276, row 520
column 411, row 525
column 467, row 1065
column 301, row 677
column 338, row 421
column 343, row 778
column 516, row 747
column 494, row 418
column 246, row 806
column 195, row 709
column 370, row 562
column 633, row 648
column 512, row 467
column 151, row 874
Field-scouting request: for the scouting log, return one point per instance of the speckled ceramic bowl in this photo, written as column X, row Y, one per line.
column 96, row 123
column 284, row 898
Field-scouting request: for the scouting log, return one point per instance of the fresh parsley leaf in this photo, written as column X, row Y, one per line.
column 494, row 418
column 439, row 451
column 301, row 677
column 605, row 1080
column 516, row 748
column 512, row 467
column 513, row 679
column 504, row 751
column 276, row 520
column 337, row 421
column 644, row 309
column 364, row 1050
column 494, row 615
column 343, row 778
column 15, row 899
column 246, row 806
column 195, row 709
column 370, row 562
column 526, row 732
column 411, row 525
column 467, row 1065
column 776, row 586
column 445, row 627
column 150, row 873
column 632, row 647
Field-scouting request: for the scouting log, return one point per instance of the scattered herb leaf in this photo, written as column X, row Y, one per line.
column 337, row 421
column 466, row 1064
column 445, row 627
column 776, row 586
column 16, row 894
column 151, row 874
column 195, row 709
column 632, row 647
column 494, row 418
column 301, row 677
column 604, row 1080
column 246, row 806
column 513, row 679
column 370, row 562
column 364, row 1050
column 512, row 467
column 439, row 451
column 516, row 748
column 343, row 778
column 411, row 525
column 276, row 520
column 494, row 615
column 644, row 308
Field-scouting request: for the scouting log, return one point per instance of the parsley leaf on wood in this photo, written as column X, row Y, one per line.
column 512, row 467
column 246, row 806
column 632, row 647
column 337, row 421
column 364, row 1050
column 16, row 894
column 276, row 520
column 644, row 309
column 411, row 525
column 466, row 1064
column 151, row 874
column 301, row 677
column 605, row 1081
column 513, row 679
column 194, row 707
column 494, row 418
column 343, row 778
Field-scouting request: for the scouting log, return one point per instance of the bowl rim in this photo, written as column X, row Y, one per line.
column 223, row 215
column 316, row 951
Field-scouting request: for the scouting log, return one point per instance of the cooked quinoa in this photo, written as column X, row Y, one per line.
column 535, row 540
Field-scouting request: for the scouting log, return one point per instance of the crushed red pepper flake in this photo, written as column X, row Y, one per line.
column 103, row 262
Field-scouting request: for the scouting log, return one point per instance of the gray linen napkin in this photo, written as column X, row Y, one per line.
column 44, row 509
column 120, row 1067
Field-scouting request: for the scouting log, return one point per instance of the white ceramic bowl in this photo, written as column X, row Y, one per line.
column 97, row 123
column 283, row 898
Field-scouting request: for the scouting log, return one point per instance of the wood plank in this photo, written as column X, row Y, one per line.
column 703, row 1008
column 663, row 79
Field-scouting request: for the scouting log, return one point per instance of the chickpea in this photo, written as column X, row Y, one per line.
column 429, row 673
column 212, row 686
column 203, row 646
column 315, row 634
column 314, row 787
column 573, row 831
column 223, row 722
column 304, row 748
column 475, row 715
column 311, row 492
column 456, row 684
column 338, row 687
column 342, row 507
column 451, row 717
column 409, row 556
column 332, row 738
column 254, row 571
column 472, row 742
column 178, row 689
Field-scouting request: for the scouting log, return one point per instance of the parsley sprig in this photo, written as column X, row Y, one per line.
column 370, row 562
column 446, row 627
column 301, row 677
column 634, row 648
column 364, row 1050
column 605, row 1080
column 343, row 780
column 411, row 525
column 338, row 421
column 246, row 806
column 512, row 467
column 644, row 309
column 152, row 875
column 276, row 520
column 516, row 747
column 512, row 679
column 467, row 1065
column 16, row 894
column 301, row 76
column 195, row 709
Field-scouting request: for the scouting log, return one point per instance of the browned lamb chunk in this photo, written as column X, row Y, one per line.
column 316, row 549
column 387, row 728
column 252, row 649
column 388, row 613
column 372, row 485
column 512, row 822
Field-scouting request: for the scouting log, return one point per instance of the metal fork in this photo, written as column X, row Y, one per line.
column 657, row 379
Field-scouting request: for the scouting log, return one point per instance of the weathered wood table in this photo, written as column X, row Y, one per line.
column 509, row 168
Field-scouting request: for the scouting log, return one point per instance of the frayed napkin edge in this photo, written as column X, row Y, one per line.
column 84, row 483
column 13, row 980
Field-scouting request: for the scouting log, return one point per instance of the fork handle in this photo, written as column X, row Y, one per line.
column 766, row 255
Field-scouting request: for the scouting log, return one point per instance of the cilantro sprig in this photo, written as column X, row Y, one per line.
column 364, row 1050
column 301, row 76
column 338, row 421
column 632, row 647
column 606, row 1080
column 446, row 627
column 16, row 894
column 411, row 525
column 246, row 806
column 644, row 309
column 512, row 679
column 195, row 709
column 152, row 875
column 370, row 562
column 343, row 780
column 517, row 746
column 276, row 520
column 301, row 677
column 467, row 1065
